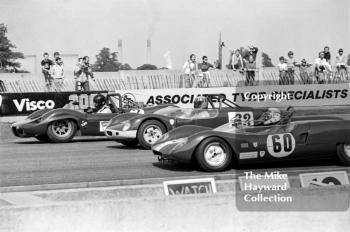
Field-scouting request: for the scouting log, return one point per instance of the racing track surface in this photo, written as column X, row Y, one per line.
column 25, row 162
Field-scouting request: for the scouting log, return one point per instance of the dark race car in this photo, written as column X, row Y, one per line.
column 61, row 125
column 307, row 137
column 132, row 129
column 146, row 129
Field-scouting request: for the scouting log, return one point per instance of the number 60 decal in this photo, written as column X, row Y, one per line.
column 280, row 145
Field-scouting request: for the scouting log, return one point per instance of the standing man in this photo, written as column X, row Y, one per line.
column 46, row 65
column 58, row 73
column 86, row 73
column 190, row 69
column 291, row 63
column 327, row 54
column 204, row 67
column 341, row 61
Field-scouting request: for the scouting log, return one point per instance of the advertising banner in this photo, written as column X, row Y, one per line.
column 27, row 103
column 277, row 96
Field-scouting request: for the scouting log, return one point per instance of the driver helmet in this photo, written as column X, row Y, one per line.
column 272, row 116
column 200, row 103
column 99, row 100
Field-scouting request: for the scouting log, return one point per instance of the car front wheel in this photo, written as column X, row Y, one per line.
column 61, row 131
column 149, row 132
column 213, row 155
column 343, row 152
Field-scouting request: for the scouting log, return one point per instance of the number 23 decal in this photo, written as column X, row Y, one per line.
column 280, row 145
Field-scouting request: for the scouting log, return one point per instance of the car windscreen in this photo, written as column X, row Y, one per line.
column 187, row 113
column 175, row 112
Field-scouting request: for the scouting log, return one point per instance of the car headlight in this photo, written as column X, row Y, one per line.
column 126, row 126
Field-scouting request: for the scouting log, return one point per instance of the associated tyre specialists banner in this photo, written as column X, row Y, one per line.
column 255, row 96
column 27, row 103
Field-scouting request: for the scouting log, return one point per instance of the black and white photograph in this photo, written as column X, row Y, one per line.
column 187, row 115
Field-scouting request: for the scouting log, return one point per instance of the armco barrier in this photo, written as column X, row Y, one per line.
column 142, row 79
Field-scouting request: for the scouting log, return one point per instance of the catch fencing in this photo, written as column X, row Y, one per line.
column 156, row 79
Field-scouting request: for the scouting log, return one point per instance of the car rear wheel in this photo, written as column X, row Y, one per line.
column 213, row 155
column 132, row 143
column 343, row 152
column 43, row 138
column 149, row 132
column 61, row 131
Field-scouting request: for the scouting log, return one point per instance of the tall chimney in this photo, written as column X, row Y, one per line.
column 148, row 52
column 120, row 51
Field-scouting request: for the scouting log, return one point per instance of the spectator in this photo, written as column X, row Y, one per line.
column 86, row 74
column 282, row 67
column 237, row 60
column 253, row 51
column 291, row 63
column 78, row 71
column 58, row 73
column 250, row 68
column 57, row 55
column 190, row 69
column 304, row 72
column 205, row 66
column 205, row 75
column 327, row 54
column 340, row 61
column 321, row 65
column 46, row 65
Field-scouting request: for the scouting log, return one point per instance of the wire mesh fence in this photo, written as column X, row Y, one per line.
column 170, row 79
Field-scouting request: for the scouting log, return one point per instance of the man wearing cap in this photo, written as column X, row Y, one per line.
column 290, row 68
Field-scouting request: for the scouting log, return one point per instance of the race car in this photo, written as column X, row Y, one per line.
column 209, row 111
column 146, row 129
column 274, row 137
column 61, row 125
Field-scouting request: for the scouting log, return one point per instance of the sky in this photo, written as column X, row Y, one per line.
column 181, row 27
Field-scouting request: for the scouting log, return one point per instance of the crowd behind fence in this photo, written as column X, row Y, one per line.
column 166, row 79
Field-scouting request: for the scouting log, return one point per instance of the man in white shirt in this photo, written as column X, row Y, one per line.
column 341, row 61
column 57, row 73
column 283, row 68
column 321, row 65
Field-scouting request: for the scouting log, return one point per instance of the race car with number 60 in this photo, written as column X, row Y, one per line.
column 274, row 137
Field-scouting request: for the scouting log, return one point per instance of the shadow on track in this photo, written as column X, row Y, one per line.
column 174, row 166
column 77, row 140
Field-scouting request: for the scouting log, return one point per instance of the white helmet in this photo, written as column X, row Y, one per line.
column 272, row 116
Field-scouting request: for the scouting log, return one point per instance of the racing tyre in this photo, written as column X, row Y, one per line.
column 213, row 155
column 43, row 138
column 343, row 152
column 132, row 143
column 61, row 131
column 149, row 132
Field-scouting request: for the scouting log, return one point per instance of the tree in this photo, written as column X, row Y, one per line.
column 147, row 67
column 348, row 61
column 7, row 56
column 107, row 61
column 266, row 60
column 125, row 66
